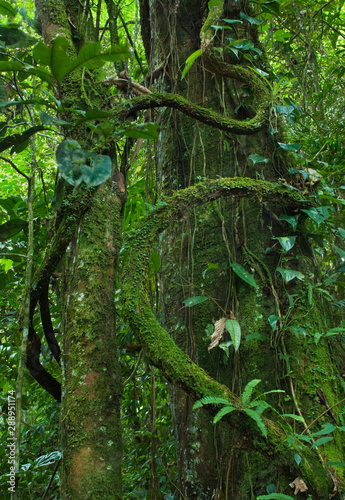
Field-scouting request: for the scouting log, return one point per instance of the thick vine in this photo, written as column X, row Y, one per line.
column 161, row 349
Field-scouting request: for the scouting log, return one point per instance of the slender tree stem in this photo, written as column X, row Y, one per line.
column 25, row 313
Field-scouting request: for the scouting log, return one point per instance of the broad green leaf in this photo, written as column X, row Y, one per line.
column 71, row 160
column 298, row 330
column 42, row 54
column 12, row 205
column 314, row 215
column 232, row 21
column 190, row 61
column 60, row 62
column 52, row 120
column 114, row 53
column 100, row 171
column 92, row 115
column 303, row 437
column 258, row 159
column 341, row 231
column 251, row 20
column 292, row 220
column 25, row 101
column 222, row 412
column 339, row 251
column 271, row 7
column 295, row 417
column 285, row 110
column 327, row 429
column 14, row 37
column 90, row 56
column 16, row 139
column 322, row 441
column 252, row 414
column 155, row 261
column 210, row 400
column 193, row 301
column 248, row 390
column 297, row 458
column 317, row 337
column 290, row 274
column 7, row 263
column 142, row 130
column 243, row 45
column 238, row 44
column 290, row 147
column 233, row 327
column 5, row 387
column 7, row 9
column 48, row 459
column 334, row 331
column 10, row 66
column 244, row 275
column 273, row 320
column 11, row 228
column 39, row 71
column 69, row 152
column 281, row 36
column 17, row 148
column 271, row 488
column 3, row 93
column 287, row 242
column 260, row 72
column 225, row 346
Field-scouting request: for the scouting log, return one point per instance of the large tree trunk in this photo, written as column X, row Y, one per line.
column 91, row 385
column 92, row 377
column 218, row 461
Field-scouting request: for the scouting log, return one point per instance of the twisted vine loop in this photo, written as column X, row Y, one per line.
column 205, row 115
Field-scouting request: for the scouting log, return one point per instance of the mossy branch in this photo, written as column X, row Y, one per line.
column 204, row 115
column 163, row 352
column 240, row 73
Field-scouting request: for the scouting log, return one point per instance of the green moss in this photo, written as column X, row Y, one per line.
column 92, row 380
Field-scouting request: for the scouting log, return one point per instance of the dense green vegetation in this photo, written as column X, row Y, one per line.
column 63, row 133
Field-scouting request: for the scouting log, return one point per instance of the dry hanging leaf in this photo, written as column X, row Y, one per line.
column 217, row 335
column 299, row 485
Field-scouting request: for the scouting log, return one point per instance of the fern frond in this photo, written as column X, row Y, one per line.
column 210, row 400
column 255, row 416
column 222, row 412
column 248, row 390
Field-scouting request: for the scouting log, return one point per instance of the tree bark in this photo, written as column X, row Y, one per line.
column 88, row 228
column 216, row 462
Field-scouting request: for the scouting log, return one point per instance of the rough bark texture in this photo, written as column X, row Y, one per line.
column 92, row 378
column 89, row 223
column 215, row 462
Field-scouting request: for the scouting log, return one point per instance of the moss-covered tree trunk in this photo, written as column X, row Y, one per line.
column 91, row 378
column 197, row 254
